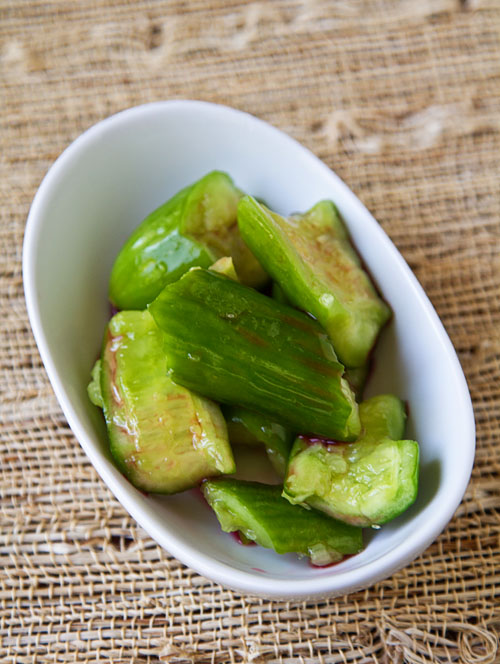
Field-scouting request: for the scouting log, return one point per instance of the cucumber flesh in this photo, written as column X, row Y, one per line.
column 247, row 427
column 312, row 259
column 263, row 516
column 239, row 347
column 365, row 483
column 225, row 266
column 94, row 387
column 210, row 219
column 163, row 437
column 194, row 228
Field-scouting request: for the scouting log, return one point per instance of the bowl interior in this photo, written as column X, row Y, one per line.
column 90, row 201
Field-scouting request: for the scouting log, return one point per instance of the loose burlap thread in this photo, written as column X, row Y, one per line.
column 402, row 99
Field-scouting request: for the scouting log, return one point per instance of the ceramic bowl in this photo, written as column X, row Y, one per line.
column 97, row 191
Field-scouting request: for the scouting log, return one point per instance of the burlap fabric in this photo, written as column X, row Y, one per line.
column 402, row 99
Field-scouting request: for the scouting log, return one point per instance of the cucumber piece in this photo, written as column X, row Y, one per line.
column 94, row 387
column 312, row 259
column 163, row 437
column 210, row 218
column 239, row 347
column 263, row 516
column 383, row 416
column 195, row 227
column 226, row 267
column 365, row 483
column 156, row 254
column 246, row 427
column 357, row 377
column 278, row 294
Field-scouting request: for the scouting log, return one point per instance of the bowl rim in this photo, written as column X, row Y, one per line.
column 337, row 583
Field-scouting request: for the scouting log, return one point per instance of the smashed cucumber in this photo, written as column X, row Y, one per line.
column 225, row 266
column 355, row 376
column 246, row 427
column 263, row 516
column 195, row 227
column 163, row 437
column 310, row 256
column 239, row 347
column 293, row 363
column 365, row 483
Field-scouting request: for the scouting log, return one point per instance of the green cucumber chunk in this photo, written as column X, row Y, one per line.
column 383, row 416
column 311, row 257
column 263, row 516
column 194, row 228
column 239, row 347
column 94, row 387
column 365, row 483
column 210, row 218
column 163, row 437
column 155, row 254
column 226, row 267
column 246, row 427
column 278, row 294
column 357, row 377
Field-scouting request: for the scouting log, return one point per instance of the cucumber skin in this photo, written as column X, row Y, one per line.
column 259, row 511
column 250, row 428
column 155, row 254
column 163, row 438
column 194, row 228
column 239, row 347
column 383, row 419
column 353, row 327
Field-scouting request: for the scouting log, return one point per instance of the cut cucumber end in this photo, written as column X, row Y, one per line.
column 163, row 437
column 262, row 515
column 365, row 483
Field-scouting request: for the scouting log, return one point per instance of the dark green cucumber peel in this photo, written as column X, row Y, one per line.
column 239, row 347
column 357, row 377
column 164, row 438
column 365, row 483
column 156, row 254
column 263, row 516
column 194, row 228
column 312, row 259
column 247, row 427
column 278, row 294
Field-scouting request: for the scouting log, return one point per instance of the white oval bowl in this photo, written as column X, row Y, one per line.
column 97, row 191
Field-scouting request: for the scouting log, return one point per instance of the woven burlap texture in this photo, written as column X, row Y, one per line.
column 402, row 99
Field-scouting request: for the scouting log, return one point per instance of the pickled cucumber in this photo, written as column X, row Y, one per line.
column 239, row 347
column 163, row 437
column 263, row 516
column 247, row 427
column 365, row 483
column 312, row 259
column 195, row 227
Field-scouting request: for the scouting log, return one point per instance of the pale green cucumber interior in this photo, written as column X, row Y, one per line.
column 233, row 515
column 210, row 218
column 364, row 483
column 360, row 483
column 163, row 437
